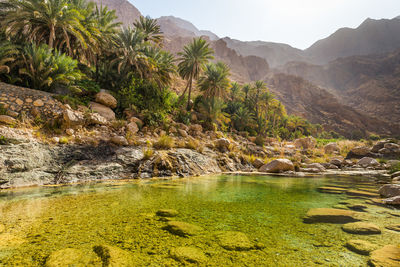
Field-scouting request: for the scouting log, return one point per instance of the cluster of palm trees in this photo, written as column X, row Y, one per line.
column 77, row 45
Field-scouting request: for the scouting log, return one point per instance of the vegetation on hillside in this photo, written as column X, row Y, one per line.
column 75, row 47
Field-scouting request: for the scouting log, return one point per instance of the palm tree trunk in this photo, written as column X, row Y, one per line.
column 52, row 36
column 190, row 92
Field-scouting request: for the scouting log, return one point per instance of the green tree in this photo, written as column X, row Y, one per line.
column 150, row 28
column 192, row 62
column 214, row 82
column 8, row 54
column 212, row 109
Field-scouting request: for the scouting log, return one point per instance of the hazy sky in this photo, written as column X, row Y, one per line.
column 296, row 22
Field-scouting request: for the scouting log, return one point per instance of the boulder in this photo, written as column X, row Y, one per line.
column 113, row 256
column 328, row 215
column 106, row 99
column 188, row 255
column 329, row 166
column 392, row 201
column 119, row 140
column 258, row 163
column 305, row 143
column 394, row 175
column 368, row 162
column 104, row 111
column 360, row 151
column 388, row 256
column 73, row 118
column 331, row 148
column 222, row 144
column 96, row 118
column 390, row 190
column 378, row 146
column 233, row 240
column 182, row 228
column 278, row 165
column 360, row 246
column 361, row 228
column 132, row 128
column 7, row 119
column 336, row 161
column 72, row 257
column 392, row 146
column 195, row 129
column 317, row 166
column 167, row 213
column 138, row 121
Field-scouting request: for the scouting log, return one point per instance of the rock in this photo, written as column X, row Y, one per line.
column 278, row 165
column 167, row 213
column 222, row 144
column 188, row 254
column 360, row 246
column 114, row 257
column 104, row 111
column 232, row 240
column 38, row 103
column 360, row 151
column 182, row 228
column 73, row 118
column 357, row 207
column 96, row 118
column 392, row 201
column 336, row 161
column 132, row 128
column 360, row 193
column 7, row 119
column 70, row 132
column 361, row 228
column 72, row 257
column 368, row 162
column 56, row 139
column 183, row 133
column 195, row 129
column 138, row 121
column 395, row 227
column 317, row 166
column 305, row 143
column 332, row 190
column 327, row 215
column 258, row 163
column 331, row 148
column 12, row 113
column 392, row 146
column 388, row 256
column 389, row 190
column 378, row 146
column 396, row 174
column 329, row 166
column 119, row 140
column 106, row 99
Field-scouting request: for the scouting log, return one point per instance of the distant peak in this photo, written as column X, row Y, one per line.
column 398, row 17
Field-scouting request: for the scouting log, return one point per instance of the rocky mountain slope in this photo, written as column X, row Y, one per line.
column 126, row 12
column 367, row 83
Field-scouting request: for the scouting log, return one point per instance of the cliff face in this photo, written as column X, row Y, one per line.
column 126, row 12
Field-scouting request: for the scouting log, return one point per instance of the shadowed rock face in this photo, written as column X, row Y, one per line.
column 126, row 12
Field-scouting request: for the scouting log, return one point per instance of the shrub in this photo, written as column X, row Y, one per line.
column 148, row 153
column 374, row 137
column 395, row 168
column 260, row 140
column 164, row 142
column 195, row 145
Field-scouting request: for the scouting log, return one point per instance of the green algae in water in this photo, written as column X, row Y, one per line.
column 268, row 210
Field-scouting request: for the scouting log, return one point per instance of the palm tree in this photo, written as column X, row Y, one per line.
column 163, row 66
column 214, row 82
column 242, row 118
column 192, row 62
column 246, row 90
column 212, row 109
column 150, row 28
column 55, row 22
column 235, row 91
column 8, row 54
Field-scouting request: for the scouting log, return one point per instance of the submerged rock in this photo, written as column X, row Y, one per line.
column 167, row 213
column 188, row 254
column 182, row 229
column 278, row 165
column 388, row 256
column 360, row 193
column 327, row 215
column 360, row 246
column 73, row 257
column 361, row 228
column 232, row 240
column 113, row 256
column 392, row 201
column 395, row 227
column 332, row 190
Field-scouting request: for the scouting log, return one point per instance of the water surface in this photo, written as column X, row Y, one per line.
column 269, row 210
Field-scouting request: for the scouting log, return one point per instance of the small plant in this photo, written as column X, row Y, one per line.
column 64, row 140
column 395, row 168
column 148, row 153
column 164, row 142
column 3, row 111
column 3, row 140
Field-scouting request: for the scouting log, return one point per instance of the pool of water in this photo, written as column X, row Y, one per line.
column 269, row 210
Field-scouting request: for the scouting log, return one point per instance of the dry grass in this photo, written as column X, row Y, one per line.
column 164, row 142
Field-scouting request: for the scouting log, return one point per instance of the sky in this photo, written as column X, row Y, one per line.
column 298, row 23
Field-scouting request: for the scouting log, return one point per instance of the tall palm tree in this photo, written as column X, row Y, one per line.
column 150, row 28
column 214, row 82
column 212, row 109
column 8, row 54
column 246, row 90
column 163, row 66
column 54, row 22
column 242, row 118
column 235, row 91
column 192, row 62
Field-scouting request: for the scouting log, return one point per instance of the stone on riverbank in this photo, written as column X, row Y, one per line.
column 188, row 254
column 72, row 257
column 389, row 190
column 327, row 215
column 182, row 228
column 7, row 119
column 361, row 228
column 278, row 165
column 106, row 99
column 392, row 201
column 233, row 240
column 360, row 246
column 388, row 256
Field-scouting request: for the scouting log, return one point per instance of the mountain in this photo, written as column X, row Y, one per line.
column 371, row 37
column 126, row 12
column 172, row 26
column 276, row 54
column 367, row 83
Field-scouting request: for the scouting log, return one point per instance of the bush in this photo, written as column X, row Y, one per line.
column 374, row 137
column 395, row 168
column 164, row 142
column 148, row 153
column 195, row 145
